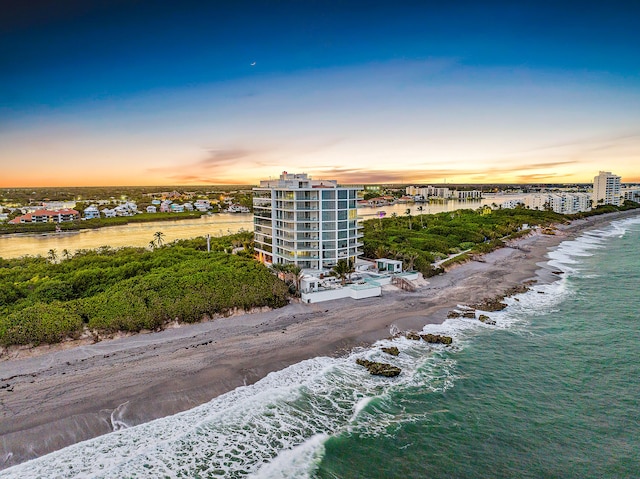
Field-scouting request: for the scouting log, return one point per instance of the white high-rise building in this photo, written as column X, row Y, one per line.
column 310, row 223
column 606, row 189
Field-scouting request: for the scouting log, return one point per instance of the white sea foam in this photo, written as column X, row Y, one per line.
column 238, row 433
column 297, row 463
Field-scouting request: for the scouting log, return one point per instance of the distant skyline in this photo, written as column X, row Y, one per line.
column 108, row 93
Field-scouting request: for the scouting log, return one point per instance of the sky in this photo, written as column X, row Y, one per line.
column 141, row 92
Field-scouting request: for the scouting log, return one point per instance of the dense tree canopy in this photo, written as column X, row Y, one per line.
column 130, row 289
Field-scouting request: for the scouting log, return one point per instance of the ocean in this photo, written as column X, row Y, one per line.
column 551, row 391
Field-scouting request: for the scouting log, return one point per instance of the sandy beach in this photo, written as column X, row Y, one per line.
column 73, row 392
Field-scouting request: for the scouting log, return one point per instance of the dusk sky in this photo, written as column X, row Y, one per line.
column 190, row 93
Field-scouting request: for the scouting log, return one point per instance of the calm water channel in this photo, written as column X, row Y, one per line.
column 136, row 234
column 140, row 234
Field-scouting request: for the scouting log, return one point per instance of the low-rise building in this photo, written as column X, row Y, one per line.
column 564, row 203
column 631, row 194
column 47, row 216
column 202, row 205
column 470, row 195
column 233, row 208
column 511, row 204
column 91, row 212
column 428, row 192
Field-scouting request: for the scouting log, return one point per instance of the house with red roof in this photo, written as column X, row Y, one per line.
column 47, row 216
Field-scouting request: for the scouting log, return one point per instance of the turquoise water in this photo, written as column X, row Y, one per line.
column 556, row 394
column 553, row 390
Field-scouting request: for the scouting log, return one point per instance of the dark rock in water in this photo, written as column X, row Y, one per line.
column 496, row 304
column 412, row 335
column 487, row 320
column 393, row 351
column 453, row 314
column 436, row 338
column 557, row 272
column 469, row 314
column 379, row 369
column 491, row 305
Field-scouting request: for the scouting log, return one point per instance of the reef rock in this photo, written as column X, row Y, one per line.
column 412, row 335
column 436, row 338
column 379, row 369
column 493, row 304
column 487, row 320
column 392, row 350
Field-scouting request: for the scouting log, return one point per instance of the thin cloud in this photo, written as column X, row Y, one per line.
column 218, row 158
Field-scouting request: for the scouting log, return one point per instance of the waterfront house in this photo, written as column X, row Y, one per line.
column 389, row 265
column 123, row 210
column 47, row 216
column 91, row 212
column 233, row 208
column 202, row 205
column 152, row 209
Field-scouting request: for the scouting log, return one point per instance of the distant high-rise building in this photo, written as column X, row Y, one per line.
column 606, row 189
column 309, row 223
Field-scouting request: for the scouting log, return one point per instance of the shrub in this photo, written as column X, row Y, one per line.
column 40, row 323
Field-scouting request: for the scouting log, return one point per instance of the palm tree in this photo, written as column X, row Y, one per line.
column 152, row 245
column 279, row 268
column 66, row 254
column 159, row 236
column 408, row 213
column 296, row 273
column 420, row 208
column 343, row 270
column 52, row 255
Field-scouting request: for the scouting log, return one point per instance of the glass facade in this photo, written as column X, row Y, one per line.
column 309, row 223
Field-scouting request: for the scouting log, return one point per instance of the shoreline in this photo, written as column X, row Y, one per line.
column 75, row 227
column 64, row 396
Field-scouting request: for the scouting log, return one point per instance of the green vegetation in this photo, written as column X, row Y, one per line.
column 343, row 270
column 130, row 289
column 89, row 194
column 424, row 239
column 46, row 300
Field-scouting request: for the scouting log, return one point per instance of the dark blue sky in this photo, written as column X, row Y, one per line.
column 357, row 90
column 52, row 53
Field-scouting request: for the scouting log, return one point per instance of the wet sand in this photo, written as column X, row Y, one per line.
column 68, row 394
